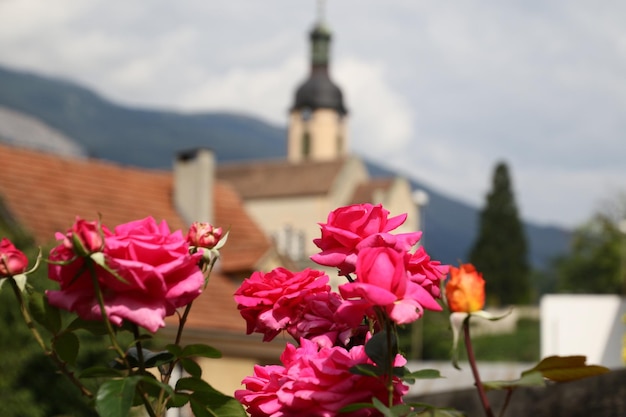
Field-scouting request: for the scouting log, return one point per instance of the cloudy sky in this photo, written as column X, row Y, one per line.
column 440, row 89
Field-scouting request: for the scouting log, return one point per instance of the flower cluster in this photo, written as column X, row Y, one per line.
column 143, row 271
column 136, row 273
column 315, row 381
column 389, row 284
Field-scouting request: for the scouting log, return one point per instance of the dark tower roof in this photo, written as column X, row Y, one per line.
column 318, row 91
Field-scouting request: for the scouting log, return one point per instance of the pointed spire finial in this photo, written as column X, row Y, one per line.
column 321, row 8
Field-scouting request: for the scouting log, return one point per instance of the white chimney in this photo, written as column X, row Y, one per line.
column 194, row 175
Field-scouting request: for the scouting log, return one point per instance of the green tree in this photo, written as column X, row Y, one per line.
column 500, row 251
column 597, row 260
column 29, row 383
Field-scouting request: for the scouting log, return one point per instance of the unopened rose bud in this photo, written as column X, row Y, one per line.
column 465, row 291
column 204, row 235
column 85, row 237
column 12, row 261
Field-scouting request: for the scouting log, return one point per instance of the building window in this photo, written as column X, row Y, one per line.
column 306, row 145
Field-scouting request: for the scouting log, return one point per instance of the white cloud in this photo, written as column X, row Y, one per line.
column 266, row 92
column 441, row 90
column 381, row 123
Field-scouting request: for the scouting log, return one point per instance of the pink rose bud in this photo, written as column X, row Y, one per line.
column 85, row 237
column 12, row 261
column 204, row 235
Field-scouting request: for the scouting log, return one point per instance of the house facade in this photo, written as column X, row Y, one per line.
column 288, row 198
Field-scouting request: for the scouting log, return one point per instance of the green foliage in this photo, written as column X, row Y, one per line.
column 553, row 368
column 595, row 263
column 521, row 346
column 29, row 383
column 500, row 251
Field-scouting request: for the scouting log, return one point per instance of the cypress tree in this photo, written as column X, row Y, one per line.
column 500, row 251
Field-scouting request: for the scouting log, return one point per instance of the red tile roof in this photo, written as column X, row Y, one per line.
column 365, row 191
column 279, row 178
column 45, row 192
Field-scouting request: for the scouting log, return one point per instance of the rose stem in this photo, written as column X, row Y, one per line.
column 50, row 353
column 472, row 360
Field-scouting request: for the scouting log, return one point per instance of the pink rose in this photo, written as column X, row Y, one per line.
column 204, row 235
column 381, row 281
column 318, row 321
column 315, row 381
column 85, row 237
column 159, row 273
column 426, row 273
column 270, row 302
column 12, row 260
column 346, row 227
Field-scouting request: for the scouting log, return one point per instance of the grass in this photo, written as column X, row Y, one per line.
column 520, row 346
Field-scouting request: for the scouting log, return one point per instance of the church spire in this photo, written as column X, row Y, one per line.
column 317, row 127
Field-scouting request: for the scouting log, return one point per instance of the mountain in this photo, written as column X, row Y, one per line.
column 134, row 136
column 150, row 138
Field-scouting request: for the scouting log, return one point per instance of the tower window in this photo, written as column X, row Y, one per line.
column 306, row 145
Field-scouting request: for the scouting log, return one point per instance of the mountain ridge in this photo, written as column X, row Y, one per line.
column 151, row 138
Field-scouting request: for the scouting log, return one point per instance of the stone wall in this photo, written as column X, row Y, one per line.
column 600, row 396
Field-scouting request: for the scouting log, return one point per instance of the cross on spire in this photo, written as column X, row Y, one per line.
column 321, row 8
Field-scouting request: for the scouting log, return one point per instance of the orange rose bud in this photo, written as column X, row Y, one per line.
column 465, row 291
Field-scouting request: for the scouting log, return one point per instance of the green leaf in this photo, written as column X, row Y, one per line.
column 99, row 372
column 178, row 400
column 20, row 281
column 378, row 350
column 115, row 397
column 382, row 408
column 566, row 368
column 66, row 345
column 214, row 402
column 191, row 367
column 154, row 387
column 400, row 410
column 217, row 405
column 175, row 350
column 428, row 410
column 150, row 358
column 194, row 384
column 410, row 377
column 530, row 379
column 440, row 412
column 96, row 327
column 200, row 350
column 355, row 407
column 43, row 313
column 199, row 409
column 457, row 321
column 366, row 369
column 491, row 317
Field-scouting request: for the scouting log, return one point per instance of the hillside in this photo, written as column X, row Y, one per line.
column 149, row 138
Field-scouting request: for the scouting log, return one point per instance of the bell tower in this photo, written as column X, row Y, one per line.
column 317, row 120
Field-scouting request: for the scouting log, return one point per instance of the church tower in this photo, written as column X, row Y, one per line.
column 317, row 121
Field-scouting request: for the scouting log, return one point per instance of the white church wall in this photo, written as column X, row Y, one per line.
column 589, row 325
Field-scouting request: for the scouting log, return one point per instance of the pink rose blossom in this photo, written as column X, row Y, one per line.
column 159, row 273
column 204, row 235
column 347, row 227
column 318, row 321
column 270, row 302
column 425, row 272
column 315, row 381
column 84, row 237
column 12, row 260
column 382, row 281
